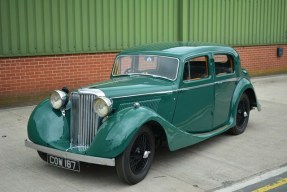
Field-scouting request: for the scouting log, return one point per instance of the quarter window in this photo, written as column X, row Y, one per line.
column 196, row 68
column 223, row 64
column 123, row 65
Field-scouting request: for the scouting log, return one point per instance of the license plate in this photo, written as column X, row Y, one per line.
column 63, row 163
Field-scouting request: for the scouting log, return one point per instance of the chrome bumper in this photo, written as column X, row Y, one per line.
column 72, row 156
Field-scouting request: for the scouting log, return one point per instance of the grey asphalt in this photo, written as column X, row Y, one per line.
column 212, row 164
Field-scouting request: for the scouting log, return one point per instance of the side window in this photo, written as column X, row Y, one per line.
column 223, row 64
column 196, row 68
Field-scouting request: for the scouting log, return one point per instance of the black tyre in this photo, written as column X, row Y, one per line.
column 42, row 155
column 242, row 115
column 134, row 163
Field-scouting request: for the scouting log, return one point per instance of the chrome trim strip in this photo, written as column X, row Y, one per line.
column 161, row 92
column 96, row 92
column 182, row 89
column 72, row 156
column 227, row 80
column 208, row 84
column 195, row 87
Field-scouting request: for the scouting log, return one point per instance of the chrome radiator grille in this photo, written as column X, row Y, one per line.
column 84, row 122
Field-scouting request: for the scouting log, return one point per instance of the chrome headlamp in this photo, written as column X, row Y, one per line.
column 58, row 99
column 102, row 106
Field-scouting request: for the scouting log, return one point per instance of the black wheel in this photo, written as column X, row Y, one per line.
column 134, row 163
column 42, row 155
column 242, row 115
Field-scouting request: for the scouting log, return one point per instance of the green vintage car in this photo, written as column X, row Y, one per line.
column 180, row 93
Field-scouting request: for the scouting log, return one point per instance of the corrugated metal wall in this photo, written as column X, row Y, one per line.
column 37, row 27
column 235, row 22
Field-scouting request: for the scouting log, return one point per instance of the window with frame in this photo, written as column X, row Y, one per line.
column 224, row 64
column 196, row 68
column 148, row 65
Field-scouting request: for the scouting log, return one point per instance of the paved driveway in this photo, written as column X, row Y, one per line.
column 214, row 163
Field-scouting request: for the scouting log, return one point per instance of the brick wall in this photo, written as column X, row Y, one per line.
column 263, row 60
column 24, row 80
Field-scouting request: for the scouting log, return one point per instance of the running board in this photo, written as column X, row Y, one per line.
column 211, row 133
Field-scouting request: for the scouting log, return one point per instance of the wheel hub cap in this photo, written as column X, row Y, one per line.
column 146, row 154
column 245, row 114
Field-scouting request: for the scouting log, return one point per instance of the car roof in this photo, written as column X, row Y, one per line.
column 177, row 49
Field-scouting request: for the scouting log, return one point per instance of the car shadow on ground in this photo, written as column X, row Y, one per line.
column 103, row 176
column 163, row 154
column 170, row 155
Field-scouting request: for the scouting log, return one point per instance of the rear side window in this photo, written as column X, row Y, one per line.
column 196, row 68
column 223, row 64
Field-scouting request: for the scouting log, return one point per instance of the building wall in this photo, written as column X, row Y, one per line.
column 25, row 80
column 72, row 36
column 28, row 79
column 235, row 22
column 49, row 27
column 263, row 60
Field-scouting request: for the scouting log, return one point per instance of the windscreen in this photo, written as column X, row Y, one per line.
column 150, row 65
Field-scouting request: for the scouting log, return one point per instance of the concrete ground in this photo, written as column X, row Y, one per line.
column 275, row 184
column 213, row 164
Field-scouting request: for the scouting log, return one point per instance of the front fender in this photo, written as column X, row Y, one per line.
column 117, row 131
column 47, row 125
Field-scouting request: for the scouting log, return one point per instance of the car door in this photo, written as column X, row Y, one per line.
column 225, row 83
column 195, row 101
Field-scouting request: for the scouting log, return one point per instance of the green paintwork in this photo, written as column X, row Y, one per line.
column 194, row 108
column 47, row 125
column 187, row 111
column 133, row 85
column 223, row 96
column 180, row 50
column 48, row 27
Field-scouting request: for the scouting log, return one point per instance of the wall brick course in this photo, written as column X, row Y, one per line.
column 28, row 79
column 262, row 60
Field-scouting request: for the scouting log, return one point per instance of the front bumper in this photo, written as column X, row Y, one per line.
column 72, row 156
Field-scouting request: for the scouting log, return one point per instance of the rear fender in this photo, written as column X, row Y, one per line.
column 244, row 85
